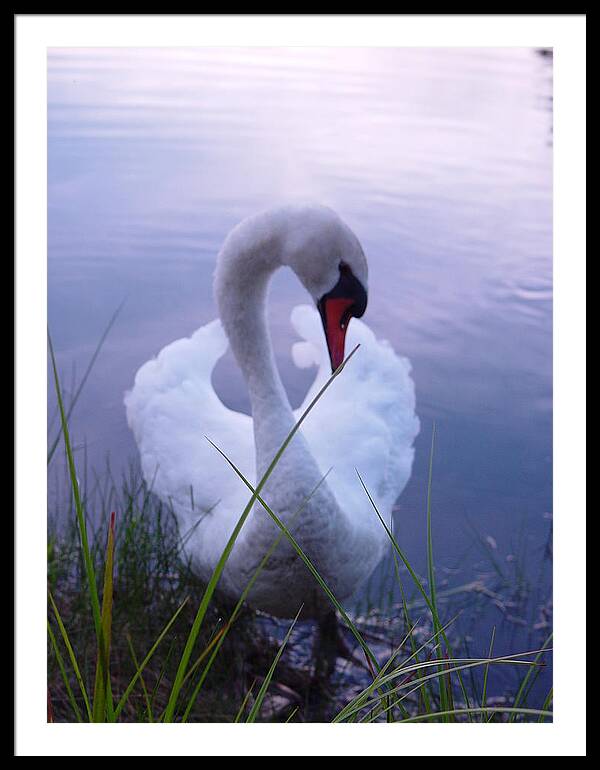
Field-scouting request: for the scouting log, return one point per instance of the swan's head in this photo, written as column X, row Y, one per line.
column 329, row 261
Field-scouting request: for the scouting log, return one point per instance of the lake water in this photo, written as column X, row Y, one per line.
column 440, row 160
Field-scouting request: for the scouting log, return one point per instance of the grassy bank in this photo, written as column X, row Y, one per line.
column 134, row 636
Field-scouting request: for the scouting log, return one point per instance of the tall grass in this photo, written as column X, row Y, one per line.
column 166, row 679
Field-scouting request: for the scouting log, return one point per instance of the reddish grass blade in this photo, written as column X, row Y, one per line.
column 102, row 684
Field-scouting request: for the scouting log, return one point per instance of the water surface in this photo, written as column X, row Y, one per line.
column 438, row 159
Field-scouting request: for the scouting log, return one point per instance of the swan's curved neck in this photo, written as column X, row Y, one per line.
column 246, row 263
column 241, row 287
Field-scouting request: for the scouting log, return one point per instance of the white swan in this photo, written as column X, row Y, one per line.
column 366, row 420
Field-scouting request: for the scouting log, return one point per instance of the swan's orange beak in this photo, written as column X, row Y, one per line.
column 335, row 314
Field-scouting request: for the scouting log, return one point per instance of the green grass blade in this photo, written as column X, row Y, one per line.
column 87, row 558
column 547, row 702
column 71, row 653
column 142, row 682
column 445, row 686
column 497, row 709
column 84, row 379
column 63, row 673
column 400, row 553
column 486, row 669
column 242, row 707
column 413, row 645
column 430, row 566
column 128, row 690
column 527, row 677
column 292, row 715
column 255, row 710
column 161, row 675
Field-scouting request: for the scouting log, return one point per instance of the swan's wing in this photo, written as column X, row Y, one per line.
column 171, row 409
column 365, row 421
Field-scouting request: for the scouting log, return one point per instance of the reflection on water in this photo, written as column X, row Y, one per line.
column 439, row 160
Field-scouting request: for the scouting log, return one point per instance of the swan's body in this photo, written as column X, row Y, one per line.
column 365, row 421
